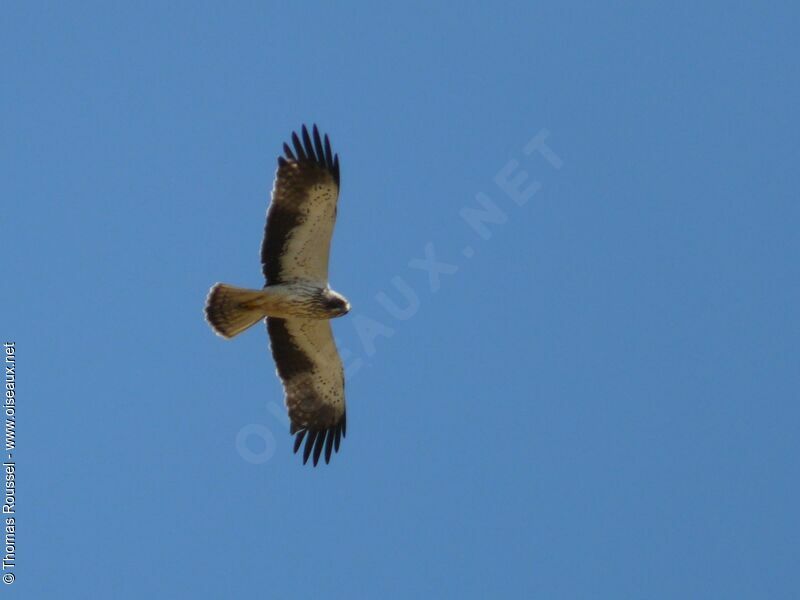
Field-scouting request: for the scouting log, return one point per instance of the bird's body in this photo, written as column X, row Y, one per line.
column 297, row 300
column 303, row 299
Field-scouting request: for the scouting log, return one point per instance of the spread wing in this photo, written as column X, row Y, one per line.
column 313, row 380
column 302, row 213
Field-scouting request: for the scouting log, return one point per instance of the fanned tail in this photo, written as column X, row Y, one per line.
column 230, row 310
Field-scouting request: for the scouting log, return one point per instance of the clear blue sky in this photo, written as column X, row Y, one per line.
column 601, row 402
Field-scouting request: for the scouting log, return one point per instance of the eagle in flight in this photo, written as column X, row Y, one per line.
column 296, row 299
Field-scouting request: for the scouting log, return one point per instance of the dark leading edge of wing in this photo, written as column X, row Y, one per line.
column 316, row 440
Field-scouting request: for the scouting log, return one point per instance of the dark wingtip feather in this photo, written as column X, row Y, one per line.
column 328, row 445
column 336, row 167
column 299, row 439
column 308, row 146
column 312, row 147
column 309, row 445
column 298, row 147
column 328, row 153
column 316, row 441
column 318, row 145
column 318, row 446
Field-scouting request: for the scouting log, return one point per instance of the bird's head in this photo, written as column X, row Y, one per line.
column 337, row 304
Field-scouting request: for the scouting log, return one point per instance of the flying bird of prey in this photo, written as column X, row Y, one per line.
column 296, row 299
